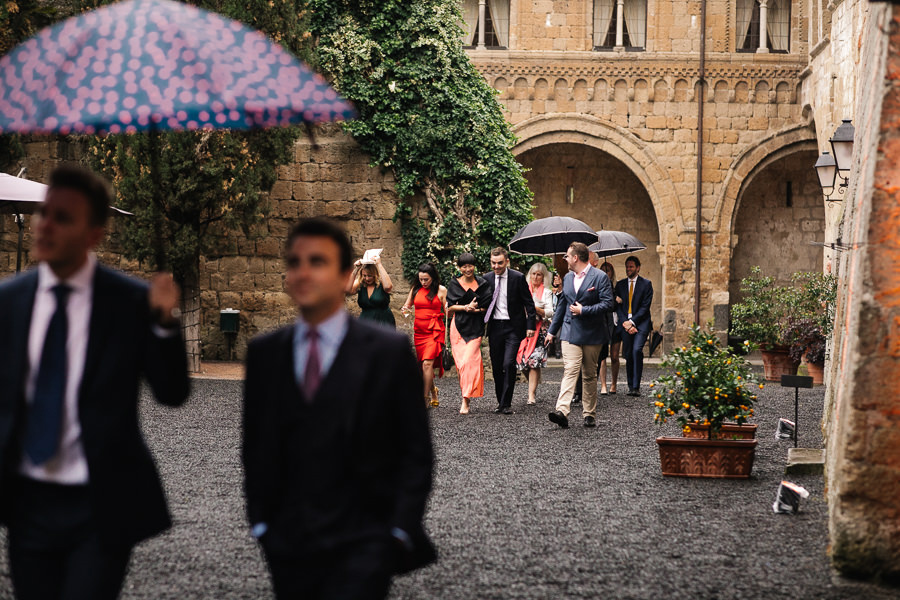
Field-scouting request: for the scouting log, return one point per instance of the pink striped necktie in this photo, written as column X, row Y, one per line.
column 312, row 377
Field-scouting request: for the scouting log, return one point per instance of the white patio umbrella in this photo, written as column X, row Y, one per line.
column 20, row 196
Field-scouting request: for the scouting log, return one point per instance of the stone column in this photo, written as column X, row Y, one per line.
column 763, row 26
column 620, row 23
column 482, row 7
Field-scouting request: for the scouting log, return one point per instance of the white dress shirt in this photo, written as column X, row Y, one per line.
column 332, row 332
column 501, row 309
column 632, row 283
column 580, row 277
column 69, row 466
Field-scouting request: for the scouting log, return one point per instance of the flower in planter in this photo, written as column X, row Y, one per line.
column 707, row 383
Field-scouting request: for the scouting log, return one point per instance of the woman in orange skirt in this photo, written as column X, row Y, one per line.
column 467, row 299
column 429, row 299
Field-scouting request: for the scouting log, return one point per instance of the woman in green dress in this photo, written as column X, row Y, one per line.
column 372, row 286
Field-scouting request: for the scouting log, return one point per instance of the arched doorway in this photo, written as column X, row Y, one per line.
column 780, row 211
column 570, row 179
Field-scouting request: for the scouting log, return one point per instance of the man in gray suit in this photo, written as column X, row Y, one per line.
column 580, row 320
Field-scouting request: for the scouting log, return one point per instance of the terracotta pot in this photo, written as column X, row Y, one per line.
column 729, row 431
column 693, row 457
column 777, row 362
column 817, row 372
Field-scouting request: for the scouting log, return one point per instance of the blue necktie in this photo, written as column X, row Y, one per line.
column 45, row 414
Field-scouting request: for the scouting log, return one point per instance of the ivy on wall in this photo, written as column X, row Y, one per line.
column 429, row 116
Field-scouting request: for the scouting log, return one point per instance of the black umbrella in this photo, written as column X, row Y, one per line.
column 551, row 235
column 611, row 243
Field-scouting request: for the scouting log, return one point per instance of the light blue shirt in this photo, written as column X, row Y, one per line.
column 331, row 334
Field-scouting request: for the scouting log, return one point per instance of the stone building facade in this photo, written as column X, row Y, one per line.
column 604, row 96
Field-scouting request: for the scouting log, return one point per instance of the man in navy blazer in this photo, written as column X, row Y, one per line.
column 78, row 487
column 580, row 321
column 337, row 449
column 510, row 317
column 634, row 294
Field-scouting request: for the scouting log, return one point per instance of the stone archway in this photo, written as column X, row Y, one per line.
column 780, row 211
column 574, row 128
column 611, row 189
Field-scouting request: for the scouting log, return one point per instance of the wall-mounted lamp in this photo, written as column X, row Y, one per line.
column 570, row 185
column 830, row 167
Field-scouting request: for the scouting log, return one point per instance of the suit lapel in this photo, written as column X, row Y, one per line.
column 103, row 309
column 21, row 310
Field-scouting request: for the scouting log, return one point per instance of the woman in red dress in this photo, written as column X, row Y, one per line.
column 429, row 299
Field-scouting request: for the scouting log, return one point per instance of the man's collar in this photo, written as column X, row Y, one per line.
column 332, row 328
column 80, row 281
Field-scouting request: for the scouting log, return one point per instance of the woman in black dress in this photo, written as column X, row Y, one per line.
column 372, row 285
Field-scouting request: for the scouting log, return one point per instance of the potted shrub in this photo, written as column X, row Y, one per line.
column 711, row 388
column 762, row 317
column 812, row 322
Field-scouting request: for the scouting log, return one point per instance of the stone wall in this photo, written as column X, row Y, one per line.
column 765, row 230
column 333, row 180
column 863, row 420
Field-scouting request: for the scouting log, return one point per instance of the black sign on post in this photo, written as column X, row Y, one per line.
column 796, row 382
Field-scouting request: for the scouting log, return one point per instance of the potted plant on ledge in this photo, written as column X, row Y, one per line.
column 762, row 317
column 709, row 390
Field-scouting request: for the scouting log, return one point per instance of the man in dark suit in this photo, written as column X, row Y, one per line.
column 78, row 487
column 510, row 317
column 337, row 448
column 634, row 294
column 580, row 320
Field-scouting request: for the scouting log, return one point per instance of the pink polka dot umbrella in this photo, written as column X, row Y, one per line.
column 157, row 65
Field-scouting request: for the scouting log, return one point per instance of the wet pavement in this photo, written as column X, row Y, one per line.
column 520, row 508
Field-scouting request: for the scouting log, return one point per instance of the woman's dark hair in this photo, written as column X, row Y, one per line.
column 429, row 269
column 466, row 258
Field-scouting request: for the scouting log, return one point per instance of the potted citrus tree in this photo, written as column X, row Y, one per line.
column 709, row 389
column 763, row 317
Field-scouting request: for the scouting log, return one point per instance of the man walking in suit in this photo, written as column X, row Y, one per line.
column 78, row 487
column 337, row 448
column 510, row 317
column 580, row 320
column 634, row 294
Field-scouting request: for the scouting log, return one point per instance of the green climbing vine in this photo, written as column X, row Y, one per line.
column 429, row 116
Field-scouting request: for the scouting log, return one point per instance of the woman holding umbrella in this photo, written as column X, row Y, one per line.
column 468, row 296
column 429, row 300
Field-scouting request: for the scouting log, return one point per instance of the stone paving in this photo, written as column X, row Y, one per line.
column 520, row 509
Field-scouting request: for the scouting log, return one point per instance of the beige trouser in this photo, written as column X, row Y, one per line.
column 584, row 360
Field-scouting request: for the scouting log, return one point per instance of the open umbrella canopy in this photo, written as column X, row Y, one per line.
column 551, row 235
column 23, row 196
column 157, row 64
column 611, row 243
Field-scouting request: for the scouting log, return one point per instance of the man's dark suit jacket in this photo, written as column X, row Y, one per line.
column 124, row 486
column 520, row 304
column 641, row 298
column 351, row 464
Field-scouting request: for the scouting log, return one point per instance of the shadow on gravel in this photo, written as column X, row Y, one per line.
column 520, row 509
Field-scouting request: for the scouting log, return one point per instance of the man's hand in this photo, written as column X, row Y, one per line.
column 575, row 309
column 164, row 298
column 548, row 339
column 629, row 327
column 529, row 333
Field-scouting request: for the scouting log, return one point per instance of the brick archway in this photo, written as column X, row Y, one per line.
column 753, row 161
column 619, row 143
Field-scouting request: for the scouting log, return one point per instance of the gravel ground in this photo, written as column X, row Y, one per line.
column 520, row 509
